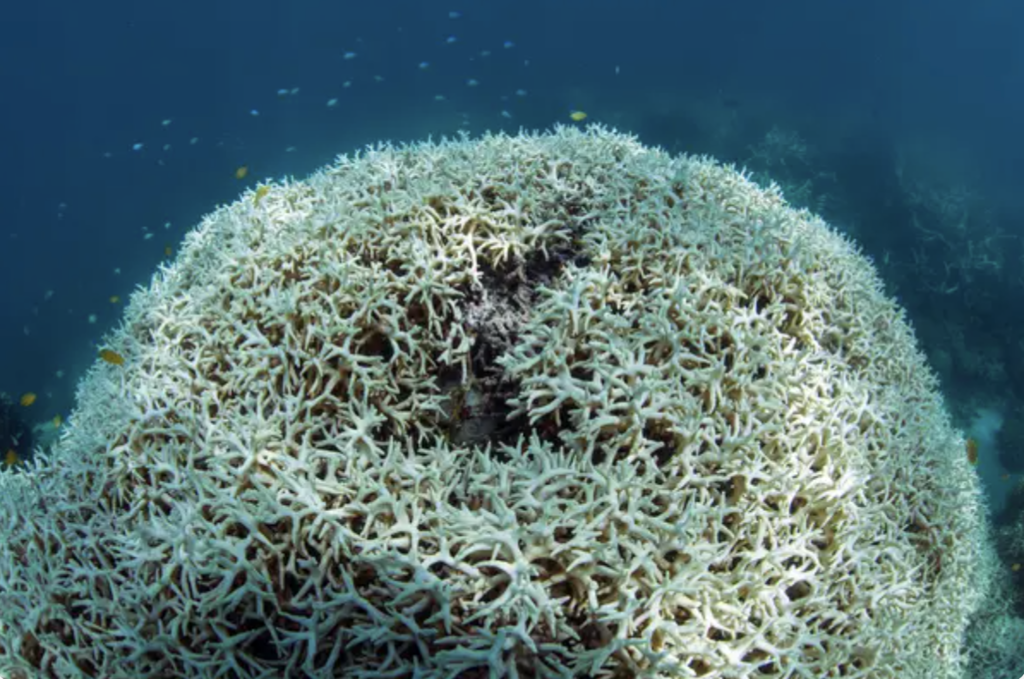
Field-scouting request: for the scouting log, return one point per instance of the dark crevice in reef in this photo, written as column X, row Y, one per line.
column 496, row 309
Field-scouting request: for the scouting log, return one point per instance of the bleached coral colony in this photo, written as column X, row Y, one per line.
column 539, row 406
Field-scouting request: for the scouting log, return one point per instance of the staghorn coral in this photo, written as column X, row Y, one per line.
column 538, row 406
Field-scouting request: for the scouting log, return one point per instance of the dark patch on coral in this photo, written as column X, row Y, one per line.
column 497, row 308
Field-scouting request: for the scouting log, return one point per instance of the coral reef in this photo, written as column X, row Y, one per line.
column 538, row 406
column 994, row 636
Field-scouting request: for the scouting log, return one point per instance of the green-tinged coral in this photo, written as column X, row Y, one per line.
column 548, row 405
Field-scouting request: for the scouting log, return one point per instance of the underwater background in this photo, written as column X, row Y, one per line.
column 122, row 124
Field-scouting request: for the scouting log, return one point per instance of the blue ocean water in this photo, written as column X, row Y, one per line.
column 122, row 124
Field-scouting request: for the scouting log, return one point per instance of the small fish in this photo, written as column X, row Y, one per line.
column 472, row 82
column 424, row 65
column 11, row 458
column 1015, row 567
column 349, row 55
column 261, row 191
column 27, row 399
column 168, row 250
column 451, row 40
column 972, row 451
column 454, row 15
column 115, row 299
column 508, row 44
column 111, row 357
column 254, row 112
column 241, row 172
column 57, row 421
column 578, row 116
column 137, row 146
column 331, row 103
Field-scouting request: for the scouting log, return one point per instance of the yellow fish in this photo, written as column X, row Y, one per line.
column 168, row 251
column 111, row 357
column 578, row 116
column 261, row 191
column 27, row 399
column 57, row 420
column 115, row 299
column 972, row 451
column 11, row 458
column 241, row 172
